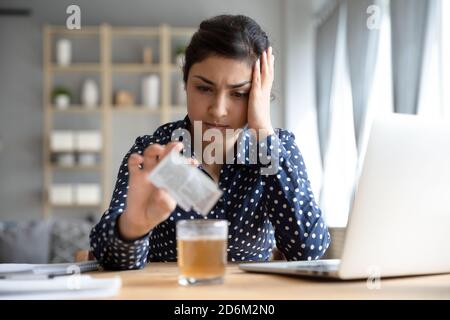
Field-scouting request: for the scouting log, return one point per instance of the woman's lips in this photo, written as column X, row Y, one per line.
column 215, row 125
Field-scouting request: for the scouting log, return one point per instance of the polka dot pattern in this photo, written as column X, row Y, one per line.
column 263, row 210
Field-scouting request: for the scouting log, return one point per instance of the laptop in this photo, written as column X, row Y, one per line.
column 399, row 224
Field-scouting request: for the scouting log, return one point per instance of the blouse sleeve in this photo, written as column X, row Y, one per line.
column 107, row 245
column 300, row 230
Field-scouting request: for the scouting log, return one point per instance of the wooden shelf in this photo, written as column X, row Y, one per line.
column 135, row 67
column 53, row 152
column 137, row 109
column 76, row 168
column 84, row 31
column 75, row 206
column 79, row 67
column 79, row 109
column 175, row 68
column 182, row 32
column 135, row 31
column 106, row 71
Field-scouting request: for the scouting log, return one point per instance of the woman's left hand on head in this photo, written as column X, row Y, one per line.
column 258, row 114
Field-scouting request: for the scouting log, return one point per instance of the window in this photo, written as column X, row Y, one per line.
column 445, row 56
column 430, row 93
column 434, row 99
column 343, row 164
column 340, row 159
column 381, row 98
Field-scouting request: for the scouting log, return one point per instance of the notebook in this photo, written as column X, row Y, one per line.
column 53, row 269
column 61, row 287
column 54, row 281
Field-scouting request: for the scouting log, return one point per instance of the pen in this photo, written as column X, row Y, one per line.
column 32, row 276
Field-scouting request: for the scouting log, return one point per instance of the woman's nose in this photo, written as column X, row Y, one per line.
column 219, row 107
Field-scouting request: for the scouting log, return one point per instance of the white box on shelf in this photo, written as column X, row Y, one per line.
column 65, row 160
column 88, row 141
column 61, row 194
column 87, row 159
column 87, row 194
column 61, row 141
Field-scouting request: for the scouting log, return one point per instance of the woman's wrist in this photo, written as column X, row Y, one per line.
column 131, row 228
column 263, row 131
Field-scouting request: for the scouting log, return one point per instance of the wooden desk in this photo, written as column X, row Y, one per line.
column 159, row 281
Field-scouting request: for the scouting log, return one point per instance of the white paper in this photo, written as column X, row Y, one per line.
column 190, row 187
column 50, row 268
column 64, row 287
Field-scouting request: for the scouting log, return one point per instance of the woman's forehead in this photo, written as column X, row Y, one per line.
column 218, row 69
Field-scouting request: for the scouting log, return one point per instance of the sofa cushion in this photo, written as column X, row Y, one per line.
column 67, row 237
column 25, row 242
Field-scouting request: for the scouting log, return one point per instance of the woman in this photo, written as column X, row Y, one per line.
column 228, row 75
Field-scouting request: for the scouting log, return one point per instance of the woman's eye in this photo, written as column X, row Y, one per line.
column 204, row 89
column 241, row 94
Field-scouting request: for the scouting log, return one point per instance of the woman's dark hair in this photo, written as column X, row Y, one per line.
column 229, row 36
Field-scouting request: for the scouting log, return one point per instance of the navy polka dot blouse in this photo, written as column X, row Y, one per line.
column 262, row 210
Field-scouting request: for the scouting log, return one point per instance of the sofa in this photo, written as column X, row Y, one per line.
column 55, row 240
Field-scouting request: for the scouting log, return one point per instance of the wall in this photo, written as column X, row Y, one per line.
column 20, row 119
column 21, row 74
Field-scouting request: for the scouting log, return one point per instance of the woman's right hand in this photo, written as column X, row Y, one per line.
column 147, row 205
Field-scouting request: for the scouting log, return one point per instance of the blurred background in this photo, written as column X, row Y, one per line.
column 80, row 80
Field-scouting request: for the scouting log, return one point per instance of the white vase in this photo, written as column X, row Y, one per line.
column 64, row 52
column 150, row 91
column 62, row 101
column 89, row 94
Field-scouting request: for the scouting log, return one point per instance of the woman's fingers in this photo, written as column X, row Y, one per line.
column 152, row 154
column 256, row 75
column 263, row 69
column 264, row 64
column 193, row 161
column 267, row 71
column 164, row 199
column 272, row 59
column 134, row 161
